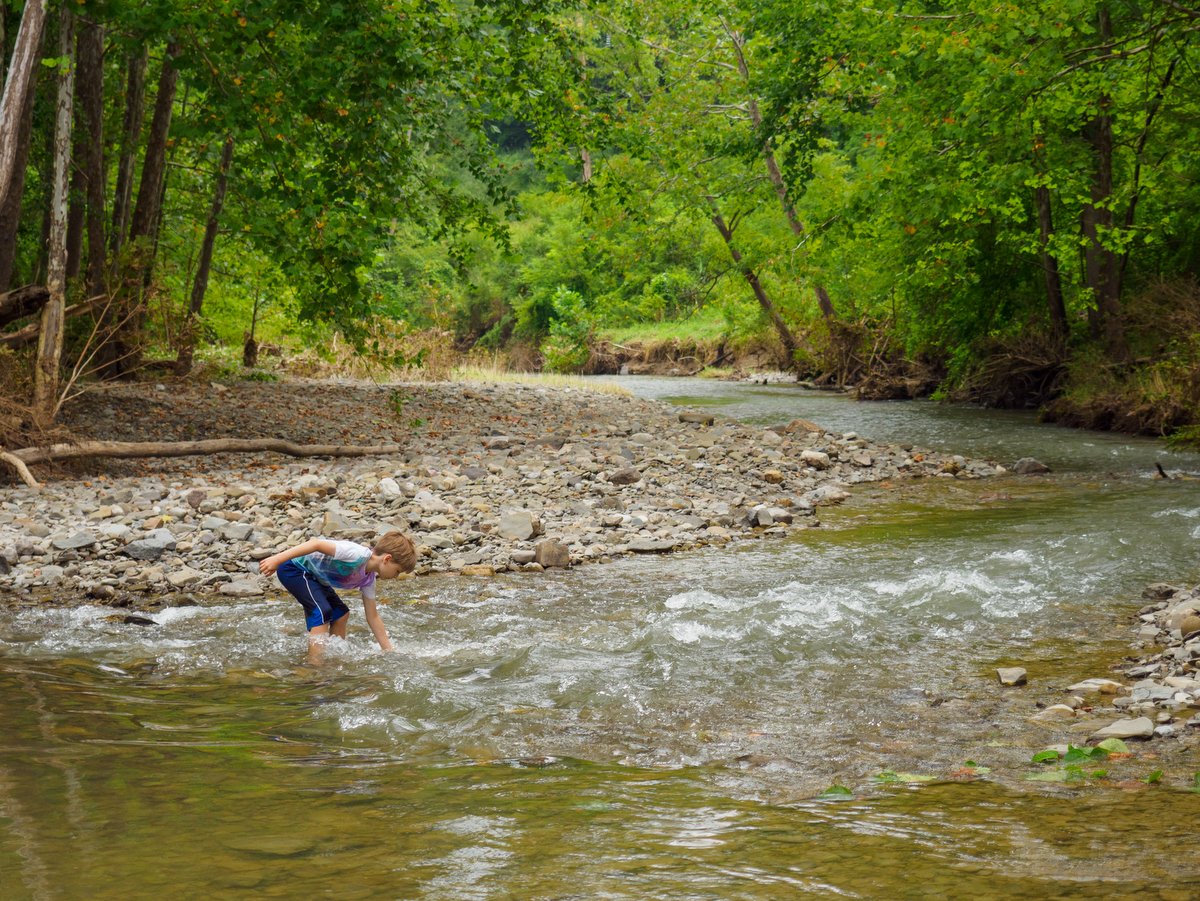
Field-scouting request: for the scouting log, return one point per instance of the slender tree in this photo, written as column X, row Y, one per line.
column 50, row 341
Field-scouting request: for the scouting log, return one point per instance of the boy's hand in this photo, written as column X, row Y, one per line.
column 269, row 565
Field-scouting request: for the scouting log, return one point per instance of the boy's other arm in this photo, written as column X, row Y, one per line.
column 313, row 545
column 375, row 621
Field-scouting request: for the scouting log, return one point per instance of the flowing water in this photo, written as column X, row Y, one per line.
column 655, row 728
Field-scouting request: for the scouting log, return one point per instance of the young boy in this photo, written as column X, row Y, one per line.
column 312, row 570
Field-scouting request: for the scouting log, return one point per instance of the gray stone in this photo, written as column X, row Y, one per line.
column 626, row 476
column 76, row 542
column 1141, row 727
column 242, row 588
column 652, row 545
column 1028, row 466
column 431, row 503
column 1011, row 675
column 552, row 553
column 517, row 525
column 827, row 495
column 520, row 558
column 698, row 418
column 151, row 547
column 815, row 459
column 237, row 531
column 389, row 489
column 1159, row 591
column 184, row 576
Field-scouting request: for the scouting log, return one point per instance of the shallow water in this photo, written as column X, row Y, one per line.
column 655, row 728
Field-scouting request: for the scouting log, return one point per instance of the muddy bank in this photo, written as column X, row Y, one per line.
column 490, row 479
column 686, row 357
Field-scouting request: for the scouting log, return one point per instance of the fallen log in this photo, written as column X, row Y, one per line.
column 29, row 333
column 20, row 459
column 22, row 302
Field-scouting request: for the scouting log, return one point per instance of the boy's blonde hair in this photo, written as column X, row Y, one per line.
column 400, row 547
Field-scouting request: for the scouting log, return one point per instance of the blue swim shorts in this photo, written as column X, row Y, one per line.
column 321, row 603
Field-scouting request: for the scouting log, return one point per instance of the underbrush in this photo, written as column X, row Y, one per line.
column 1159, row 393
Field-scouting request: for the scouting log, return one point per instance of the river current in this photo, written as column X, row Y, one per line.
column 815, row 715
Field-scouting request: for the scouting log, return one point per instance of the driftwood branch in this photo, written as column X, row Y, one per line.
column 22, row 470
column 196, row 448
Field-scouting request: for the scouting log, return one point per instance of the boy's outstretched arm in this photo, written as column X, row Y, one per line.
column 375, row 621
column 313, row 545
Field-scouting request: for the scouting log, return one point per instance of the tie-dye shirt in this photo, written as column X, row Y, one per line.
column 347, row 568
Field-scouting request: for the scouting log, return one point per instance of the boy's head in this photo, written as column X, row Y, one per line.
column 400, row 553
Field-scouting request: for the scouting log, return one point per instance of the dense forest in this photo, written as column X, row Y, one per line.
column 993, row 202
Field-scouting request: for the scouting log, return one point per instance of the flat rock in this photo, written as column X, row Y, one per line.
column 652, row 545
column 151, row 547
column 76, row 542
column 1054, row 713
column 241, row 588
column 517, row 525
column 1103, row 686
column 626, row 476
column 1141, row 727
column 1027, row 466
column 1011, row 675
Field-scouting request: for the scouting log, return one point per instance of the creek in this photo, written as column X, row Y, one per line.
column 657, row 727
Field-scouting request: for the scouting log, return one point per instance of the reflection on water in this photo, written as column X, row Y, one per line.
column 653, row 728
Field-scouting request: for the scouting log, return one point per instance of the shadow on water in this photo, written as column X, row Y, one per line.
column 652, row 728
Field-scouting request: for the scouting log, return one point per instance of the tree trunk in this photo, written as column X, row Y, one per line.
column 756, row 285
column 25, row 59
column 76, row 209
column 126, row 343
column 1059, row 327
column 128, row 449
column 135, row 101
column 91, row 98
column 10, row 208
column 1102, row 266
column 50, row 341
column 187, row 349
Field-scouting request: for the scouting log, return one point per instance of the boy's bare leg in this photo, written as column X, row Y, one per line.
column 317, row 636
column 338, row 626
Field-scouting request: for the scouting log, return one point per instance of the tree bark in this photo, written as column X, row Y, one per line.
column 756, row 285
column 50, row 340
column 21, row 303
column 10, row 208
column 25, row 59
column 187, row 349
column 135, row 101
column 125, row 351
column 91, row 99
column 1102, row 266
column 1059, row 327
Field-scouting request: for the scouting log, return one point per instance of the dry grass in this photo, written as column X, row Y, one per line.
column 498, row 376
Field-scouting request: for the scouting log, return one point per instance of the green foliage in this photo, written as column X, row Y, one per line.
column 566, row 349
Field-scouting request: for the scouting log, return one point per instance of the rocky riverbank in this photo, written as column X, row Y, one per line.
column 491, row 478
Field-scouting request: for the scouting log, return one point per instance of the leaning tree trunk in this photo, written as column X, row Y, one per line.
column 738, row 40
column 760, row 292
column 50, row 341
column 25, row 59
column 10, row 207
column 187, row 349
